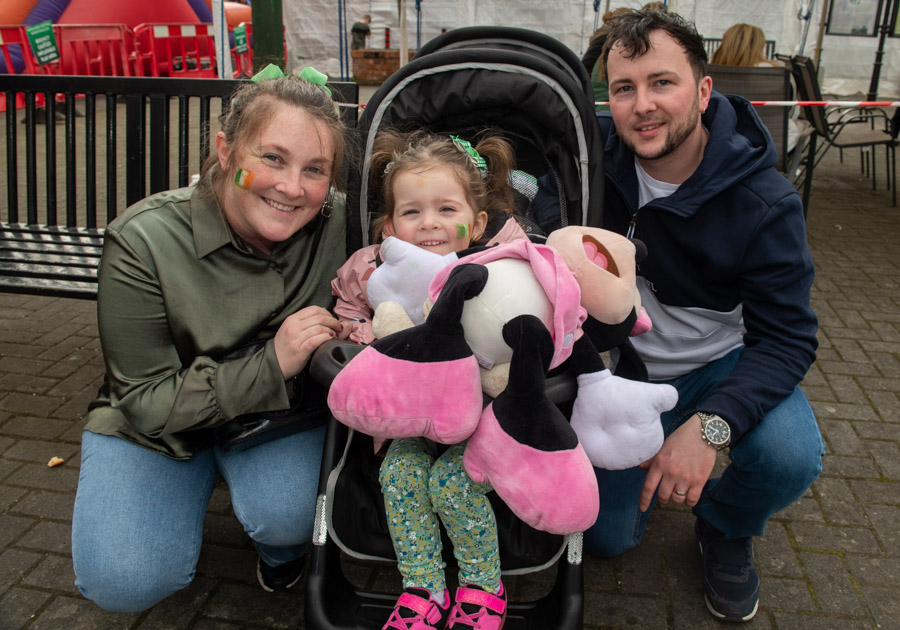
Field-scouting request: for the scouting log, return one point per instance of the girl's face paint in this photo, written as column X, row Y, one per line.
column 243, row 178
column 463, row 231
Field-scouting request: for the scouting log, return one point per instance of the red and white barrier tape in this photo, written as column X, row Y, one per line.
column 814, row 103
column 829, row 103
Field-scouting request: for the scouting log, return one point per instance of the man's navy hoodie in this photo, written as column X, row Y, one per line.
column 731, row 239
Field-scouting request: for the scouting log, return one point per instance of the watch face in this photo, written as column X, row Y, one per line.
column 717, row 431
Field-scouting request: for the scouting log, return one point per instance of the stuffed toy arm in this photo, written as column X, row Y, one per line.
column 404, row 276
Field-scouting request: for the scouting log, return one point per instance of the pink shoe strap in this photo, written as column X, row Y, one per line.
column 426, row 608
column 481, row 598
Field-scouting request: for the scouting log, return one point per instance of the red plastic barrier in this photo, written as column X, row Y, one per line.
column 97, row 49
column 14, row 43
column 176, row 50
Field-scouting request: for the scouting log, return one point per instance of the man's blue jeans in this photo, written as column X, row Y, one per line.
column 138, row 521
column 771, row 467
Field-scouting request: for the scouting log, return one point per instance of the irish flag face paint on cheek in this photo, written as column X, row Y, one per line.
column 462, row 231
column 243, row 178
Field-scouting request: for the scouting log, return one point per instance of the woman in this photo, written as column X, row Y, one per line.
column 210, row 305
column 742, row 45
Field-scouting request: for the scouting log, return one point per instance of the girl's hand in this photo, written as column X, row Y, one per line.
column 300, row 335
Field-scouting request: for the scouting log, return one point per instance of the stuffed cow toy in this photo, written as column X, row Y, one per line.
column 496, row 320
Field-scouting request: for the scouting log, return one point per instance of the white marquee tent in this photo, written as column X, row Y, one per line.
column 313, row 33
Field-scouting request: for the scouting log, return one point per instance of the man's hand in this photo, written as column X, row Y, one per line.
column 683, row 464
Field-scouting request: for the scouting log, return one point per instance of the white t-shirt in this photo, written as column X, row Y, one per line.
column 682, row 338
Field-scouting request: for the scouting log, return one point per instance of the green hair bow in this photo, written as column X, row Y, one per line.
column 308, row 73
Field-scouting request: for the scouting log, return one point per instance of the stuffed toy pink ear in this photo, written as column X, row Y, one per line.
column 524, row 447
column 422, row 381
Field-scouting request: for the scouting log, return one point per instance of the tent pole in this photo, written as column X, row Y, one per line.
column 341, row 29
column 805, row 15
column 823, row 20
column 220, row 36
column 404, row 36
column 885, row 28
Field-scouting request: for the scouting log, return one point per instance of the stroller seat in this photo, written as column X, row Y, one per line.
column 350, row 518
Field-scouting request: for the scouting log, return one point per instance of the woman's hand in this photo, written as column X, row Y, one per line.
column 300, row 335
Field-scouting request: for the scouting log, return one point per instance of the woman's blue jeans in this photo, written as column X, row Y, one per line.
column 771, row 467
column 138, row 521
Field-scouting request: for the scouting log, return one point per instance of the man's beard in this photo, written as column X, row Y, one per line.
column 675, row 137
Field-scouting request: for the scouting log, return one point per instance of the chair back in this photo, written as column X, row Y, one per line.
column 763, row 83
column 807, row 81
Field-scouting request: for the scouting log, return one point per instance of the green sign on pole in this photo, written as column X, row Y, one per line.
column 43, row 42
column 240, row 39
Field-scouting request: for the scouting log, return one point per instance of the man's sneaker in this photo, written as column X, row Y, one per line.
column 476, row 609
column 415, row 610
column 730, row 581
column 279, row 578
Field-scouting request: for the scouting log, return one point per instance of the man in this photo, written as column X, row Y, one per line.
column 359, row 32
column 726, row 282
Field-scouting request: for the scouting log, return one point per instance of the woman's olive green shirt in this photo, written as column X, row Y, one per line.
column 179, row 288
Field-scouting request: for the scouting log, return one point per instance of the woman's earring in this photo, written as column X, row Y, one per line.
column 328, row 206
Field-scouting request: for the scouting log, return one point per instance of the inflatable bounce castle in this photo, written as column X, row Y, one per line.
column 131, row 14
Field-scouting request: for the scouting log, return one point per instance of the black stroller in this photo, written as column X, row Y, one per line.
column 534, row 91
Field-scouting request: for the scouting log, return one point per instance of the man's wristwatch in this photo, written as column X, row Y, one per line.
column 714, row 430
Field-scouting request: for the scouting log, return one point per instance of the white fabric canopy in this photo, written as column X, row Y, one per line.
column 847, row 61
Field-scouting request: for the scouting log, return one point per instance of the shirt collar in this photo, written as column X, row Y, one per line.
column 211, row 230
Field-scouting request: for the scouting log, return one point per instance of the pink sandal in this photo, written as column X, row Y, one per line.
column 477, row 609
column 415, row 610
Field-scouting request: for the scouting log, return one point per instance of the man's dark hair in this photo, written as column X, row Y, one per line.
column 632, row 31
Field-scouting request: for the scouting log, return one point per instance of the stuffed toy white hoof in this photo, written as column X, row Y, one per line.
column 617, row 420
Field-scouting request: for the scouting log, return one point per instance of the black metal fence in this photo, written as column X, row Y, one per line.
column 166, row 126
column 79, row 150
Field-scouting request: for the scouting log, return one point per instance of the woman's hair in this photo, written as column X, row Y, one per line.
column 397, row 152
column 254, row 103
column 742, row 45
column 632, row 31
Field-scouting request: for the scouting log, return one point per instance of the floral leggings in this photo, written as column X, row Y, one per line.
column 416, row 487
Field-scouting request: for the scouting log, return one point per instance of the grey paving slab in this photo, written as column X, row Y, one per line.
column 830, row 561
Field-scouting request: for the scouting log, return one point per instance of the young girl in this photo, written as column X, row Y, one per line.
column 443, row 195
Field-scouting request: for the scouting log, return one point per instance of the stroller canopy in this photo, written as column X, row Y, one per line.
column 519, row 83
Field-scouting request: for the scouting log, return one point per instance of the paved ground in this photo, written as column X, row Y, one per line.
column 832, row 561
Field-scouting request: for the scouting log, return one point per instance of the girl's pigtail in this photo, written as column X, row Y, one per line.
column 498, row 154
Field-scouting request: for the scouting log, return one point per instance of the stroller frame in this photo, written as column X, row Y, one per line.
column 567, row 143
